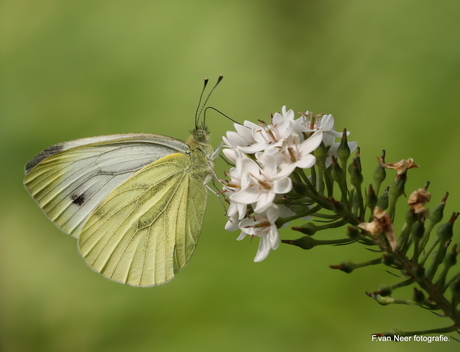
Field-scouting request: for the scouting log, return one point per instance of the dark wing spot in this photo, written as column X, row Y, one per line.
column 43, row 155
column 78, row 199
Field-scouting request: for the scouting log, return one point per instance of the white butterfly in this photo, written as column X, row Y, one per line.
column 135, row 202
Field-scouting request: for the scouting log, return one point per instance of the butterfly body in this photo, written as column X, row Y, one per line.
column 135, row 202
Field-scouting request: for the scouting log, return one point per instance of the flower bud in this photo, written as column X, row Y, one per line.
column 371, row 198
column 343, row 152
column 397, row 188
column 411, row 218
column 353, row 232
column 337, row 172
column 418, row 296
column 357, row 158
column 379, row 174
column 446, row 231
column 346, row 267
column 382, row 201
column 321, row 154
column 438, row 212
column 356, row 177
column 304, row 242
column 384, row 291
column 356, row 201
column 451, row 258
column 384, row 301
column 308, row 228
column 418, row 229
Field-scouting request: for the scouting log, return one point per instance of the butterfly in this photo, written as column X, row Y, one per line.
column 135, row 202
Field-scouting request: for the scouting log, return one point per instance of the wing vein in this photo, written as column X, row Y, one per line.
column 123, row 255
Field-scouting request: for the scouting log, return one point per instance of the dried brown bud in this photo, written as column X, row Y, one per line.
column 418, row 199
column 401, row 167
column 381, row 225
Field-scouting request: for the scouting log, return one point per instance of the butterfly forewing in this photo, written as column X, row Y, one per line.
column 148, row 228
column 69, row 180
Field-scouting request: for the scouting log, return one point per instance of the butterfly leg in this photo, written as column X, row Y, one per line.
column 218, row 193
column 216, row 152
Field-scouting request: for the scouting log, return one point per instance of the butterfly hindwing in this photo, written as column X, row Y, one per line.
column 148, row 227
column 69, row 180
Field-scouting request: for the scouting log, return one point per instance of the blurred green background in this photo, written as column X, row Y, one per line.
column 389, row 71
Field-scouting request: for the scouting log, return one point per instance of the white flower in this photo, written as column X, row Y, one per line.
column 237, row 210
column 269, row 138
column 295, row 154
column 262, row 225
column 283, row 123
column 287, row 114
column 322, row 123
column 260, row 186
column 232, row 222
column 242, row 138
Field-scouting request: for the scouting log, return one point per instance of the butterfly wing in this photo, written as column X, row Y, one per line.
column 69, row 180
column 148, row 227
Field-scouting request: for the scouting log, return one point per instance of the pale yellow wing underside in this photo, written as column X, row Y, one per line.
column 148, row 227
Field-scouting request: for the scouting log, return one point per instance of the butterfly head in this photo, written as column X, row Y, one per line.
column 200, row 134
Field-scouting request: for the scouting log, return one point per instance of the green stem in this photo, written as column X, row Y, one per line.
column 444, row 330
column 436, row 294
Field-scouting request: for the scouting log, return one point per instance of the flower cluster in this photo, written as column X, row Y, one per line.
column 292, row 168
column 264, row 157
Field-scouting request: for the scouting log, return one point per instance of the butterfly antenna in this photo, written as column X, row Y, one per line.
column 200, row 110
column 197, row 112
column 220, row 112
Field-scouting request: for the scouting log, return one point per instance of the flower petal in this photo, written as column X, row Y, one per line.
column 264, row 201
column 263, row 250
column 306, row 162
column 327, row 122
column 248, row 195
column 282, row 186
